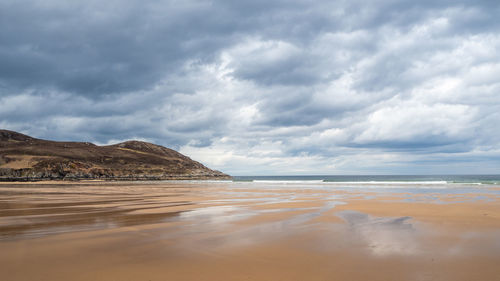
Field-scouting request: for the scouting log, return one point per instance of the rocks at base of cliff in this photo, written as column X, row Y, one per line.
column 72, row 170
column 30, row 175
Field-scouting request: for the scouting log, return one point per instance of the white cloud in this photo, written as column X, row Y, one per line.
column 415, row 122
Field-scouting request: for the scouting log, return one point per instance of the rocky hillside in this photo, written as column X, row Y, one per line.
column 26, row 158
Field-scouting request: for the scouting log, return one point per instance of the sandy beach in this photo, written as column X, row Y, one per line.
column 246, row 231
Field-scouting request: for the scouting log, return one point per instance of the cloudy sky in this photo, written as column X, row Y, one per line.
column 263, row 87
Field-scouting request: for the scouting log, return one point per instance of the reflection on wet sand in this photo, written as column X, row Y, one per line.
column 32, row 214
column 234, row 231
column 383, row 236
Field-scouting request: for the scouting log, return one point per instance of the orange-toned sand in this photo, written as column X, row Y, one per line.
column 243, row 231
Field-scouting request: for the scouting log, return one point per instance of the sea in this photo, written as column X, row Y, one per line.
column 377, row 179
column 443, row 184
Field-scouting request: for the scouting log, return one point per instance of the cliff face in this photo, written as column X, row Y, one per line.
column 26, row 158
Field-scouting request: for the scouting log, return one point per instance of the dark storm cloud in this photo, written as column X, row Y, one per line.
column 92, row 48
column 316, row 83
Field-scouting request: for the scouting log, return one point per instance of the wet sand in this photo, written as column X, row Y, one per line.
column 245, row 231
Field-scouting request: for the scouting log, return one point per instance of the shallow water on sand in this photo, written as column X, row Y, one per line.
column 246, row 231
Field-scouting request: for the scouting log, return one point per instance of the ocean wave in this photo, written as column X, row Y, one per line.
column 437, row 184
column 288, row 181
column 391, row 182
column 352, row 182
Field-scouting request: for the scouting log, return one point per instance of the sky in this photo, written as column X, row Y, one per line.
column 262, row 87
